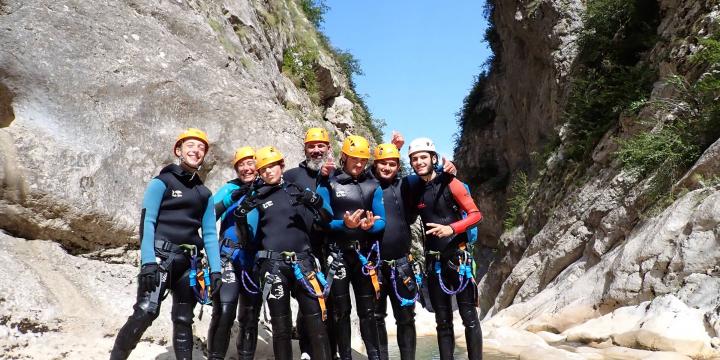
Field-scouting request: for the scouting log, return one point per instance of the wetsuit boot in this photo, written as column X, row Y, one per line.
column 473, row 332
column 406, row 335
column 282, row 333
column 223, row 317
column 182, row 318
column 368, row 325
column 248, row 334
column 445, row 333
column 136, row 324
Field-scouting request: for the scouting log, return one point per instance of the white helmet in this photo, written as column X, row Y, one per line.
column 421, row 144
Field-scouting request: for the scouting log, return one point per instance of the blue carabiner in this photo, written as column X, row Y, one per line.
column 321, row 278
column 298, row 272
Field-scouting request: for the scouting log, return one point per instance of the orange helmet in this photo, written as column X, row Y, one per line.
column 386, row 151
column 242, row 153
column 356, row 146
column 266, row 156
column 192, row 133
column 317, row 134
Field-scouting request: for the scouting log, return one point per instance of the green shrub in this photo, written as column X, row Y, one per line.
column 596, row 100
column 298, row 61
column 475, row 113
column 665, row 155
column 518, row 201
column 668, row 147
column 314, row 11
column 609, row 79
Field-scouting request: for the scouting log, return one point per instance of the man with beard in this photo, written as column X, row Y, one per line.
column 316, row 167
column 318, row 161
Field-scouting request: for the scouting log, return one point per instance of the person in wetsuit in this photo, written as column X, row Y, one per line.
column 285, row 265
column 440, row 200
column 175, row 205
column 397, row 268
column 356, row 201
column 238, row 295
column 401, row 277
column 316, row 168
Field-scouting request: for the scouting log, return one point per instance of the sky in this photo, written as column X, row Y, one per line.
column 419, row 60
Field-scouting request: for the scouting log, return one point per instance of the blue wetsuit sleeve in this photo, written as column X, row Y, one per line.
column 378, row 208
column 324, row 193
column 222, row 200
column 150, row 208
column 253, row 218
column 210, row 238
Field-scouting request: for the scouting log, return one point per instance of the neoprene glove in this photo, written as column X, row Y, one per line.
column 149, row 277
column 310, row 199
column 238, row 193
column 215, row 283
column 248, row 203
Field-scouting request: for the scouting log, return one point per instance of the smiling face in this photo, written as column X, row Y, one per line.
column 354, row 166
column 421, row 162
column 245, row 169
column 315, row 153
column 192, row 152
column 387, row 169
column 272, row 174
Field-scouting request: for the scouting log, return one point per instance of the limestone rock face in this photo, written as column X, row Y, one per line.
column 93, row 94
column 659, row 286
column 538, row 48
column 590, row 263
column 339, row 113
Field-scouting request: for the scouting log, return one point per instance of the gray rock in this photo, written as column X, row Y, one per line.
column 340, row 114
column 93, row 94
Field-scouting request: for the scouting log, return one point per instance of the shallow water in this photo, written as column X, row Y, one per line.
column 427, row 349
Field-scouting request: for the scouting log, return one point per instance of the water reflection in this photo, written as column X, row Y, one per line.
column 427, row 348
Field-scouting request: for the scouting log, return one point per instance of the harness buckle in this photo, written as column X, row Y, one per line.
column 191, row 249
column 290, row 257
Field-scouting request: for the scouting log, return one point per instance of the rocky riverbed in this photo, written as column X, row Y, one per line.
column 59, row 306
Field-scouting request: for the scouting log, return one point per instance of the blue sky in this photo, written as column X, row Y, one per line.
column 419, row 60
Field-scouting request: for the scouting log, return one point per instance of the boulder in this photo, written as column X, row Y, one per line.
column 339, row 113
column 93, row 94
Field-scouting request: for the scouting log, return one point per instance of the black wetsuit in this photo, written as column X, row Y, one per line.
column 282, row 226
column 441, row 201
column 396, row 243
column 345, row 193
column 175, row 206
column 238, row 295
column 306, row 178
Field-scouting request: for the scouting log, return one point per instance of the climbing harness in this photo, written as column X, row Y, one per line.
column 313, row 281
column 168, row 251
column 370, row 267
column 394, row 265
column 232, row 251
column 464, row 269
column 199, row 275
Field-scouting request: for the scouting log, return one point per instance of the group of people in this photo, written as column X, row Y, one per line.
column 307, row 233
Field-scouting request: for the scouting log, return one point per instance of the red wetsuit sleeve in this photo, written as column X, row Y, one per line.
column 464, row 200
